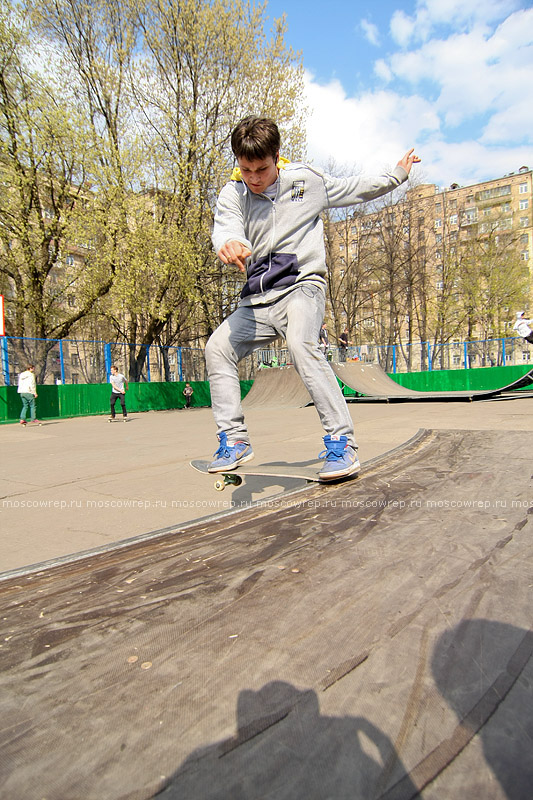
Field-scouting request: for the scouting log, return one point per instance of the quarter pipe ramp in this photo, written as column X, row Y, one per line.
column 372, row 382
column 281, row 387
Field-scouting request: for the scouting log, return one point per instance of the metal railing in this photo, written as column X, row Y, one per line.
column 88, row 361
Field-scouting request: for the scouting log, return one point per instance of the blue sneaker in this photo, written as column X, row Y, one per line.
column 340, row 459
column 230, row 456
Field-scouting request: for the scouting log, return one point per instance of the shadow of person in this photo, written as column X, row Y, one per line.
column 484, row 670
column 285, row 749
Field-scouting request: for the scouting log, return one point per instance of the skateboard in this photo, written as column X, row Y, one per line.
column 281, row 469
column 30, row 423
column 118, row 419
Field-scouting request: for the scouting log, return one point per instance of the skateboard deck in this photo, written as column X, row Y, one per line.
column 282, row 469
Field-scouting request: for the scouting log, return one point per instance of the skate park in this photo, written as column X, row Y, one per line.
column 365, row 639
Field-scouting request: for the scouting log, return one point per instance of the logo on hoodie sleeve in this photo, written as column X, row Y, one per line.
column 297, row 191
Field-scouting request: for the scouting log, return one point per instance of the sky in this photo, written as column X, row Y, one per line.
column 451, row 78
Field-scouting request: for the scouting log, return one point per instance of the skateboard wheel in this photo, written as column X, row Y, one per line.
column 220, row 486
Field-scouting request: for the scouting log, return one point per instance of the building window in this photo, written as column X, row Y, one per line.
column 440, row 286
column 524, row 239
column 438, row 223
column 523, row 204
column 69, row 261
column 488, row 194
column 453, row 219
column 524, row 255
column 74, row 378
column 504, row 224
column 522, row 188
column 524, row 222
column 438, row 238
column 469, row 216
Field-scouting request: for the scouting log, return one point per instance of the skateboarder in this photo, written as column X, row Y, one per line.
column 119, row 386
column 27, row 389
column 521, row 326
column 268, row 224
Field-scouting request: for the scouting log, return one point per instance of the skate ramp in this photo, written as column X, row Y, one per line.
column 279, row 387
column 372, row 382
column 371, row 639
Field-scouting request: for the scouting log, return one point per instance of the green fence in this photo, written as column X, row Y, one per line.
column 79, row 400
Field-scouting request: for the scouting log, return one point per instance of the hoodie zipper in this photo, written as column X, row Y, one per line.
column 273, row 201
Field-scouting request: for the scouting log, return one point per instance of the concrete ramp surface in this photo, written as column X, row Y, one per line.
column 372, row 382
column 366, row 640
column 277, row 386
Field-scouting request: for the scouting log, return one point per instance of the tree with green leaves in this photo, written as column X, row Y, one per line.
column 46, row 211
column 163, row 82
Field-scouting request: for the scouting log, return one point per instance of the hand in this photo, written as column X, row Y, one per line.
column 235, row 252
column 408, row 160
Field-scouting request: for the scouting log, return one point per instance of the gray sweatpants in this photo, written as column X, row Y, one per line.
column 297, row 316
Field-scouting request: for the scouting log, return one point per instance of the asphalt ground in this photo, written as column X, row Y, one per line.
column 366, row 640
column 73, row 485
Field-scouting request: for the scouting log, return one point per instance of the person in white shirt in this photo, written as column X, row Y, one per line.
column 119, row 385
column 521, row 326
column 27, row 389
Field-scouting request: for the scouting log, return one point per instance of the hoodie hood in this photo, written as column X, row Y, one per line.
column 236, row 174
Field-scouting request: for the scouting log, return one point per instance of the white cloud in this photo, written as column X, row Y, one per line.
column 372, row 131
column 383, row 71
column 460, row 97
column 370, row 32
column 402, row 28
column 453, row 14
column 474, row 73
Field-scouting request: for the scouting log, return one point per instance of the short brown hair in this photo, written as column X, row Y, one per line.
column 255, row 138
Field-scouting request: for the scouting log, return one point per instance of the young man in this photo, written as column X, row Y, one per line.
column 119, row 386
column 521, row 326
column 343, row 345
column 268, row 224
column 27, row 389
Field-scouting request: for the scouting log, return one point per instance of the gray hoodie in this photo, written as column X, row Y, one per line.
column 285, row 234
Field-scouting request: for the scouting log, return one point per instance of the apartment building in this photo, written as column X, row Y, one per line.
column 403, row 272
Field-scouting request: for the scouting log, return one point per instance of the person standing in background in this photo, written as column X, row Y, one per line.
column 27, row 389
column 119, row 386
column 188, row 392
